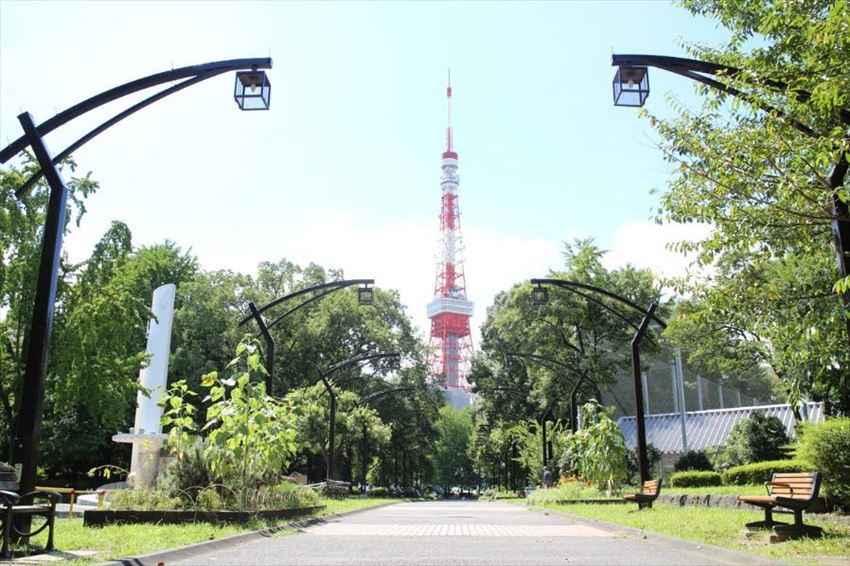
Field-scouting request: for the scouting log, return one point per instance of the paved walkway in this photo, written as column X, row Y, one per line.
column 464, row 532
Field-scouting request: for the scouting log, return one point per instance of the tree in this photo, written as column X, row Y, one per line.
column 206, row 329
column 759, row 177
column 581, row 336
column 21, row 226
column 99, row 344
column 453, row 465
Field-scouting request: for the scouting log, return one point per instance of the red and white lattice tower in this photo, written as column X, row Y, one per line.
column 450, row 310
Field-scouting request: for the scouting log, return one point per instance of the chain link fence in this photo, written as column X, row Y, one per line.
column 662, row 392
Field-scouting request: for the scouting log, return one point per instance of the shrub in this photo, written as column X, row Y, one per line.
column 209, row 498
column 187, row 473
column 598, row 450
column 825, row 447
column 653, row 454
column 143, row 499
column 284, row 495
column 695, row 460
column 695, row 479
column 759, row 438
column 760, row 472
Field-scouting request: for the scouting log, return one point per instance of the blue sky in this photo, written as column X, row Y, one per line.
column 344, row 169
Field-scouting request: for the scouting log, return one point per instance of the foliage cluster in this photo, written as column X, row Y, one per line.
column 653, row 457
column 250, row 436
column 597, row 451
column 534, row 356
column 144, row 499
column 825, row 447
column 566, row 490
column 760, row 294
column 695, row 460
column 693, row 478
column 758, row 438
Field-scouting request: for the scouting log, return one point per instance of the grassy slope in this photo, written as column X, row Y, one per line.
column 722, row 527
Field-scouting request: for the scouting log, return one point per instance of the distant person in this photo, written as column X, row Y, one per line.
column 547, row 478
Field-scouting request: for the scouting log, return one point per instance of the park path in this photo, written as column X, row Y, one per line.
column 462, row 532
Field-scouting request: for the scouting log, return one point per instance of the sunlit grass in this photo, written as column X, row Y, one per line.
column 722, row 527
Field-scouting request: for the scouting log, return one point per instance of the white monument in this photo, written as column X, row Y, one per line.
column 146, row 436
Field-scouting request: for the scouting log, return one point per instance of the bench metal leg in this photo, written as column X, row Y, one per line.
column 7, row 534
column 766, row 524
column 50, row 522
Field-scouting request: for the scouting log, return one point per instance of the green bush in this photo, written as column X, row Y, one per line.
column 695, row 479
column 653, row 455
column 695, row 460
column 759, row 438
column 185, row 475
column 825, row 447
column 284, row 495
column 209, row 498
column 143, row 499
column 761, row 472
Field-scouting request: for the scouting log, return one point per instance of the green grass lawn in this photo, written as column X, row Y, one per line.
column 122, row 541
column 722, row 527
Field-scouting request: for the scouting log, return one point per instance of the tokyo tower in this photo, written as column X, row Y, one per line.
column 451, row 342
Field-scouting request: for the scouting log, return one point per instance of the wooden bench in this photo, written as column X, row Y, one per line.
column 647, row 495
column 11, row 507
column 794, row 491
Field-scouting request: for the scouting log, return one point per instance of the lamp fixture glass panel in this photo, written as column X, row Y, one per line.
column 252, row 90
column 631, row 85
column 365, row 296
column 540, row 295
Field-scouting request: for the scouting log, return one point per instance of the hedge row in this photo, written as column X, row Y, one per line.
column 761, row 472
column 695, row 479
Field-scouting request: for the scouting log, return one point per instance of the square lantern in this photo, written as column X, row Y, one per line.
column 253, row 90
column 540, row 295
column 631, row 86
column 365, row 296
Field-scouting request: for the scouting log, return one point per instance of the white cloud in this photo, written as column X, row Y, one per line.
column 644, row 245
column 397, row 256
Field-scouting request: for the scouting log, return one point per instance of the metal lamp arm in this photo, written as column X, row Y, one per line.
column 690, row 68
column 302, row 305
column 333, row 284
column 207, row 69
column 24, row 189
column 570, row 285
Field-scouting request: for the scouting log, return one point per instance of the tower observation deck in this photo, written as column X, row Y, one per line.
column 450, row 310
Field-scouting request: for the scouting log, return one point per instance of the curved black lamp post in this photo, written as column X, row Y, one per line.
column 254, row 93
column 540, row 295
column 323, row 375
column 365, row 296
column 631, row 88
column 582, row 376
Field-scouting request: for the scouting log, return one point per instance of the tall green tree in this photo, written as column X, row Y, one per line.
column 582, row 336
column 760, row 179
column 453, row 464
column 21, row 228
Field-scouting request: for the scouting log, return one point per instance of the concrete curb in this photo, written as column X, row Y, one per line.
column 191, row 550
column 698, row 550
